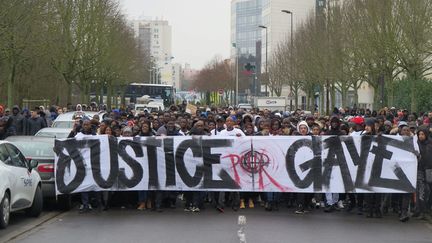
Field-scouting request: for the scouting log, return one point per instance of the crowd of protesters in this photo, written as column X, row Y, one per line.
column 229, row 121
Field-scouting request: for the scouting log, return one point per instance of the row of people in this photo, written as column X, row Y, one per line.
column 230, row 122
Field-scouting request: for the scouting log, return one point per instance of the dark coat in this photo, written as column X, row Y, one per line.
column 35, row 124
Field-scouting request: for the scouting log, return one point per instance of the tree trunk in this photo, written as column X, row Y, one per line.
column 344, row 95
column 10, row 88
column 328, row 98
column 356, row 97
column 413, row 90
column 321, row 99
column 308, row 101
column 109, row 96
column 389, row 86
column 82, row 94
column 97, row 92
column 123, row 98
column 207, row 97
column 333, row 96
column 116, row 103
column 69, row 93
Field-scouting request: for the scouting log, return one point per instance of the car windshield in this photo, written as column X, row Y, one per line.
column 63, row 124
column 52, row 134
column 35, row 149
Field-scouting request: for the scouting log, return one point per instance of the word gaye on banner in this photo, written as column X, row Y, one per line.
column 258, row 164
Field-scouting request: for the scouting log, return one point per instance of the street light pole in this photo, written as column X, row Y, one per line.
column 265, row 27
column 237, row 77
column 150, row 71
column 292, row 49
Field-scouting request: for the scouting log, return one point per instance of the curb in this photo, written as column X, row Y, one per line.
column 429, row 218
column 36, row 223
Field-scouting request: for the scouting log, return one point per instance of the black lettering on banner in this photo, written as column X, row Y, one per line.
column 373, row 151
column 381, row 153
column 96, row 163
column 72, row 146
column 290, row 164
column 407, row 144
column 226, row 182
column 169, row 161
column 190, row 181
column 136, row 167
column 336, row 157
column 317, row 162
column 360, row 161
column 151, row 145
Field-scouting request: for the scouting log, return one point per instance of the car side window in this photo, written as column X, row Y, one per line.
column 17, row 157
column 4, row 155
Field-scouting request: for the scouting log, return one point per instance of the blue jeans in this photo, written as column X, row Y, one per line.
column 273, row 196
column 85, row 198
column 142, row 196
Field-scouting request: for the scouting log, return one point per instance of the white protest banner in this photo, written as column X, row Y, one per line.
column 275, row 163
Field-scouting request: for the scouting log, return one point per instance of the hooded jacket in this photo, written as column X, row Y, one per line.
column 425, row 147
column 302, row 123
column 335, row 130
column 18, row 121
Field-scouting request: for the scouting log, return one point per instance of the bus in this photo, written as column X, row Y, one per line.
column 155, row 92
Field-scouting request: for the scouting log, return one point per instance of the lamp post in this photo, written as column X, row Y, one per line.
column 237, row 77
column 292, row 49
column 150, row 72
column 266, row 38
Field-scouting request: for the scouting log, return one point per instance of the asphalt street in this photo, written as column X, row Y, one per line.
column 175, row 225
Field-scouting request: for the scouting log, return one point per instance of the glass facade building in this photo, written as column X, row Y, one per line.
column 246, row 16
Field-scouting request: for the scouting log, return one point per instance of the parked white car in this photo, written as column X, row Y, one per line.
column 53, row 132
column 66, row 120
column 20, row 184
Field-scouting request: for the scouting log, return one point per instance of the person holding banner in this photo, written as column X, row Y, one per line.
column 424, row 173
column 230, row 130
column 194, row 199
column 272, row 198
column 168, row 129
column 86, row 130
column 303, row 199
column 373, row 199
column 356, row 200
column 332, row 199
column 404, row 130
column 143, row 200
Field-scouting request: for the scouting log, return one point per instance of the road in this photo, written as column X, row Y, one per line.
column 174, row 225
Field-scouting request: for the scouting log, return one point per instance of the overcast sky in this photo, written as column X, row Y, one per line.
column 200, row 28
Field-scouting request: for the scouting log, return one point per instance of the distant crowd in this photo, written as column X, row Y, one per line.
column 230, row 121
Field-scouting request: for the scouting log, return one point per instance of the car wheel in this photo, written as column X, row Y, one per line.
column 4, row 211
column 36, row 208
column 65, row 202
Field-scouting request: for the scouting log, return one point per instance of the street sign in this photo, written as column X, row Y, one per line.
column 290, row 96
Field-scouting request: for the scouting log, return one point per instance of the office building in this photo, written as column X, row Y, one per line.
column 246, row 39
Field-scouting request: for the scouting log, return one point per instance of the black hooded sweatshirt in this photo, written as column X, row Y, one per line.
column 425, row 160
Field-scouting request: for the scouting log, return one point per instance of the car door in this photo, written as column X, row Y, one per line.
column 23, row 179
column 7, row 179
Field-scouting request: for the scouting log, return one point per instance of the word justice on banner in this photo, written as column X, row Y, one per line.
column 259, row 164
